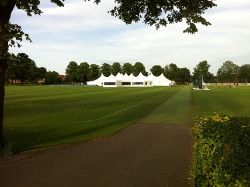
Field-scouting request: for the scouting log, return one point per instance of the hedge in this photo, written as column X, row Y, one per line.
column 221, row 154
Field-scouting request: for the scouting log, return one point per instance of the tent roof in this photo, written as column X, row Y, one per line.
column 139, row 78
column 111, row 78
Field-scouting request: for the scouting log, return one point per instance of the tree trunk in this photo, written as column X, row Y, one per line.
column 2, row 81
column 5, row 13
column 3, row 64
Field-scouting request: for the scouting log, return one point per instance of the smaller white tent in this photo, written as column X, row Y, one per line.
column 161, row 81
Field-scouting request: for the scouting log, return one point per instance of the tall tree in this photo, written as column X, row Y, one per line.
column 184, row 75
column 116, row 68
column 158, row 13
column 127, row 68
column 138, row 68
column 41, row 73
column 52, row 77
column 11, row 71
column 228, row 72
column 157, row 70
column 23, row 68
column 171, row 71
column 202, row 69
column 244, row 73
column 72, row 72
column 106, row 69
column 94, row 72
column 83, row 71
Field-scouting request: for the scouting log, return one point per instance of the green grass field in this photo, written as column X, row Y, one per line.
column 41, row 116
column 230, row 101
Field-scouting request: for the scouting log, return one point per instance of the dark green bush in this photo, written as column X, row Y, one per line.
column 222, row 151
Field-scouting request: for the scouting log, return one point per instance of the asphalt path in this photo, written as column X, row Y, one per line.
column 152, row 155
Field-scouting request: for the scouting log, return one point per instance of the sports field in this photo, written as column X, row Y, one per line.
column 41, row 116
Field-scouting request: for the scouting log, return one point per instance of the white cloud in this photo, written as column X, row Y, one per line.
column 74, row 16
column 57, row 40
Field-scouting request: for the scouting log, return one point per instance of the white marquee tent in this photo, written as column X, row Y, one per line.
column 161, row 81
column 121, row 80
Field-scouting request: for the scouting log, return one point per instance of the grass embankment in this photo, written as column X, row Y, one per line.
column 48, row 115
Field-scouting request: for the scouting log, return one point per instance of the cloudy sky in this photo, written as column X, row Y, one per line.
column 82, row 31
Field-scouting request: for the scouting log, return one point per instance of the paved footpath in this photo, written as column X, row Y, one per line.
column 139, row 156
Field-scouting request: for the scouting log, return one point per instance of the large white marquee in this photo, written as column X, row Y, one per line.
column 125, row 80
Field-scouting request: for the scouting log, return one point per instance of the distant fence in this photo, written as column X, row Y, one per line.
column 228, row 84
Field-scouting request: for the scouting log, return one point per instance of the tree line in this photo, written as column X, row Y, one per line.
column 23, row 70
column 228, row 72
column 84, row 72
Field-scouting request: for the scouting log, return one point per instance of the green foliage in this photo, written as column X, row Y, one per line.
column 222, row 151
column 41, row 73
column 202, row 69
column 83, row 72
column 138, row 68
column 162, row 13
column 127, row 68
column 94, row 72
column 184, row 75
column 106, row 69
column 156, row 70
column 52, row 78
column 244, row 73
column 72, row 72
column 116, row 68
column 22, row 68
column 228, row 72
column 171, row 71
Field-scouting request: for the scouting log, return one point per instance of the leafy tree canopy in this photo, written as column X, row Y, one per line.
column 72, row 71
column 41, row 72
column 82, row 72
column 106, row 69
column 116, row 68
column 228, row 71
column 162, row 13
column 156, row 70
column 185, row 75
column 139, row 68
column 52, row 78
column 22, row 68
column 202, row 69
column 171, row 71
column 94, row 72
column 127, row 68
column 244, row 72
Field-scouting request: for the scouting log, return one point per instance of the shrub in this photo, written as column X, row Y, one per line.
column 222, row 151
